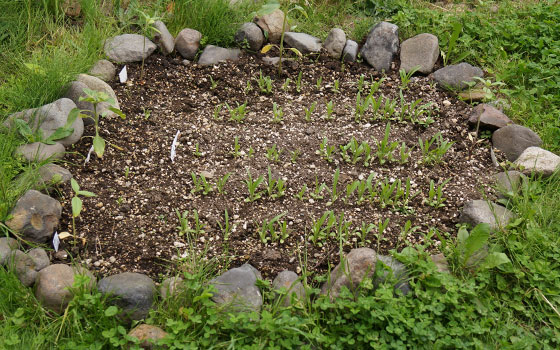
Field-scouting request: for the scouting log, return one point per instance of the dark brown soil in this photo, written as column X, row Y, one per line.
column 132, row 224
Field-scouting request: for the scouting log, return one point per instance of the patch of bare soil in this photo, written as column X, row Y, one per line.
column 132, row 224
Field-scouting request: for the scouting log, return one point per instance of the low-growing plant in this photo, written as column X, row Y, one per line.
column 470, row 244
column 286, row 84
column 295, row 155
column 309, row 111
column 147, row 26
column 318, row 189
column 184, row 225
column 322, row 227
column 226, row 227
column 334, row 187
column 25, row 130
column 361, row 83
column 319, row 82
column 252, row 187
column 273, row 154
column 265, row 83
column 248, row 87
column 404, row 153
column 276, row 187
column 200, row 184
column 435, row 194
column 379, row 235
column 353, row 152
column 213, row 83
column 407, row 229
column 330, row 110
column 361, row 107
column 405, row 77
column 221, row 183
column 363, row 232
column 270, row 230
column 336, row 87
column 300, row 195
column 385, row 148
column 278, row 113
column 197, row 152
column 238, row 113
column 236, row 147
column 299, row 84
column 217, row 111
column 434, row 149
column 326, row 151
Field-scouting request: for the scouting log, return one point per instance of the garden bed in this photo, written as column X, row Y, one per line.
column 132, row 224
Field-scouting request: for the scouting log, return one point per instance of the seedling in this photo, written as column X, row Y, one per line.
column 357, row 152
column 217, row 111
column 362, row 106
column 237, row 114
column 236, row 147
column 265, row 83
column 198, row 225
column 334, row 191
column 278, row 113
column 77, row 203
column 268, row 231
column 404, row 153
column 252, row 187
column 330, row 108
column 435, row 194
column 200, row 184
column 364, row 231
column 295, row 155
column 126, row 172
column 298, row 82
column 146, row 23
column 381, row 227
column 184, row 226
column 405, row 77
column 321, row 228
column 226, row 227
column 197, row 152
column 319, row 82
column 434, row 155
column 407, row 229
column 248, row 87
column 221, row 183
column 25, row 129
column 301, row 192
column 317, row 192
column 309, row 111
column 326, row 151
column 375, row 85
column 276, row 187
column 95, row 98
column 286, row 84
column 335, row 87
column 213, row 83
column 361, row 83
column 273, row 154
column 385, row 148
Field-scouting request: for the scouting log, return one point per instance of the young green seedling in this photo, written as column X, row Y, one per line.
column 252, row 187
column 309, row 111
column 278, row 113
column 77, row 203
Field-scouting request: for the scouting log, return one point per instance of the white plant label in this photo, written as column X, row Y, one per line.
column 88, row 155
column 56, row 242
column 174, row 145
column 123, row 76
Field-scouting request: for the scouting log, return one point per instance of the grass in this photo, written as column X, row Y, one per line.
column 515, row 305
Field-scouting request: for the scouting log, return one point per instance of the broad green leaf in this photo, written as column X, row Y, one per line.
column 75, row 186
column 268, row 8
column 477, row 239
column 72, row 116
column 60, row 133
column 76, row 206
column 23, row 128
column 117, row 112
column 35, row 68
column 99, row 145
column 494, row 259
column 462, row 236
column 267, row 48
column 300, row 9
column 87, row 194
column 111, row 311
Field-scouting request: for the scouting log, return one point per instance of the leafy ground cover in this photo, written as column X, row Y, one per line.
column 512, row 306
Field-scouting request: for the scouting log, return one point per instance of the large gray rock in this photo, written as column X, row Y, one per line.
column 250, row 34
column 170, row 286
column 128, row 48
column 148, row 335
column 514, row 139
column 40, row 258
column 381, row 46
column 350, row 52
column 535, row 160
column 421, row 50
column 305, row 43
column 214, row 54
column 38, row 152
column 7, row 245
column 236, row 289
column 457, row 76
column 358, row 264
column 104, row 70
column 163, row 39
column 50, row 117
column 187, row 43
column 135, row 293
column 508, row 182
column 271, row 25
column 479, row 211
column 53, row 283
column 396, row 271
column 51, row 174
column 288, row 283
column 23, row 266
column 335, row 42
column 441, row 262
column 35, row 216
column 490, row 117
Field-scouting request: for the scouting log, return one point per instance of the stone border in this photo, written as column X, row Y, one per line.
column 237, row 288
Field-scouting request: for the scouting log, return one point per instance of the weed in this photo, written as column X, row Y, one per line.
column 407, row 229
column 434, row 155
column 268, row 231
column 319, row 82
column 197, row 152
column 248, row 87
column 295, row 155
column 217, row 111
column 276, row 187
column 405, row 77
column 237, row 114
column 334, row 189
column 358, row 152
column 213, row 83
column 278, row 113
column 404, row 153
column 435, row 194
column 335, row 88
column 300, row 195
column 318, row 189
column 273, row 154
column 184, row 225
column 385, row 148
column 236, row 147
column 330, row 109
column 221, row 183
column 298, row 82
column 309, row 111
column 325, row 150
column 265, row 83
column 364, row 230
column 226, row 226
column 200, row 184
column 321, row 228
column 77, row 204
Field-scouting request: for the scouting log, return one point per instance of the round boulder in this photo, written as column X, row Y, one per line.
column 489, row 117
column 187, row 43
column 7, row 245
column 53, row 285
column 148, row 335
column 535, row 160
column 38, row 151
column 288, row 283
column 456, row 77
column 236, row 289
column 104, row 70
column 514, row 139
column 23, row 266
column 335, row 42
column 479, row 211
column 35, row 216
column 134, row 293
column 420, row 51
column 128, row 48
column 52, row 174
column 40, row 258
column 382, row 45
column 163, row 39
column 250, row 34
column 271, row 25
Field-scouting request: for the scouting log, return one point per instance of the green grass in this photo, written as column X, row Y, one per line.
column 514, row 306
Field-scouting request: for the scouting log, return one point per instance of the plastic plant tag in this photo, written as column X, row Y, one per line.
column 88, row 155
column 174, row 145
column 123, row 76
column 56, row 242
